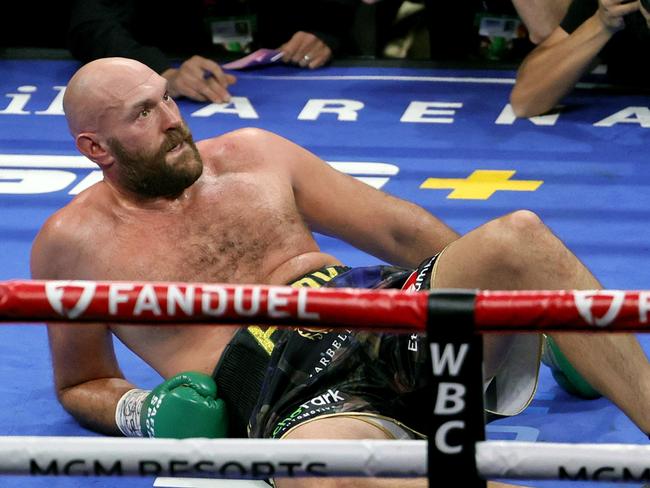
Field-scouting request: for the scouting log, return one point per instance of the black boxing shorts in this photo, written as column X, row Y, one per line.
column 276, row 379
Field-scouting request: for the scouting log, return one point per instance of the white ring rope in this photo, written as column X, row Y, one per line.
column 160, row 303
column 214, row 458
column 263, row 458
column 551, row 460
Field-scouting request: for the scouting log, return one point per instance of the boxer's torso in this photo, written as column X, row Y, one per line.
column 237, row 227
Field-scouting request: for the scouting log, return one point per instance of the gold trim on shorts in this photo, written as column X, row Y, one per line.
column 310, row 280
column 434, row 270
column 356, row 415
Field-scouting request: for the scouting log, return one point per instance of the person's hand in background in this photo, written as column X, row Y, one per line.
column 612, row 12
column 645, row 11
column 200, row 79
column 306, row 50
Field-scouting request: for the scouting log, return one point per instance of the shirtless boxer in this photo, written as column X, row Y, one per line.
column 240, row 208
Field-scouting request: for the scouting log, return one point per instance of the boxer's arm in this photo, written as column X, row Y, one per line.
column 88, row 380
column 337, row 204
column 392, row 229
column 87, row 377
column 89, row 385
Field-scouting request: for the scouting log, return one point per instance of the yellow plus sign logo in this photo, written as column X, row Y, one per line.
column 481, row 184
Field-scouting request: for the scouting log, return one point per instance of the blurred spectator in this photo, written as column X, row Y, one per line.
column 406, row 33
column 151, row 31
column 612, row 31
column 474, row 30
column 502, row 35
column 541, row 17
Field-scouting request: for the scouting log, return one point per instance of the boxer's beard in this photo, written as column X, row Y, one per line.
column 149, row 174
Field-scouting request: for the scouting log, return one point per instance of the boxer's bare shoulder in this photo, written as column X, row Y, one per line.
column 66, row 238
column 249, row 149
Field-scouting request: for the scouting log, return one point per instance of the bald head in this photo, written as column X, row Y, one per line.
column 99, row 86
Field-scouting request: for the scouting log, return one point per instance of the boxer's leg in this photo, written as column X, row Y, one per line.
column 518, row 251
column 342, row 427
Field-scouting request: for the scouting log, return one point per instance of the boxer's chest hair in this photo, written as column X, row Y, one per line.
column 229, row 234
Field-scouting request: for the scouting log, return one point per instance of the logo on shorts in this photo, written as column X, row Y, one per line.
column 319, row 405
column 327, row 356
column 331, row 396
column 69, row 298
column 413, row 343
column 416, row 280
column 588, row 310
column 312, row 334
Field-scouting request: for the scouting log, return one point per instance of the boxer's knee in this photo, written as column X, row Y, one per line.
column 524, row 223
column 514, row 251
column 511, row 240
column 519, row 231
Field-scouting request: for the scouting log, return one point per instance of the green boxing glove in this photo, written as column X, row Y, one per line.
column 186, row 405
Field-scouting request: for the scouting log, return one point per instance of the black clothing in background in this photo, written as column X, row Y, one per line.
column 452, row 33
column 625, row 53
column 37, row 23
column 152, row 31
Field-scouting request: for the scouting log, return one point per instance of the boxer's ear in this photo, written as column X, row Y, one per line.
column 90, row 146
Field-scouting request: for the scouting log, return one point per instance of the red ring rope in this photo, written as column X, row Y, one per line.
column 159, row 303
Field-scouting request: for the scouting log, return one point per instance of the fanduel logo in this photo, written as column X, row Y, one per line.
column 69, row 298
column 29, row 174
column 585, row 304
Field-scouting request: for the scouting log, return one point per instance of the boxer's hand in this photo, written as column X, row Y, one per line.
column 306, row 50
column 612, row 12
column 200, row 79
column 185, row 405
